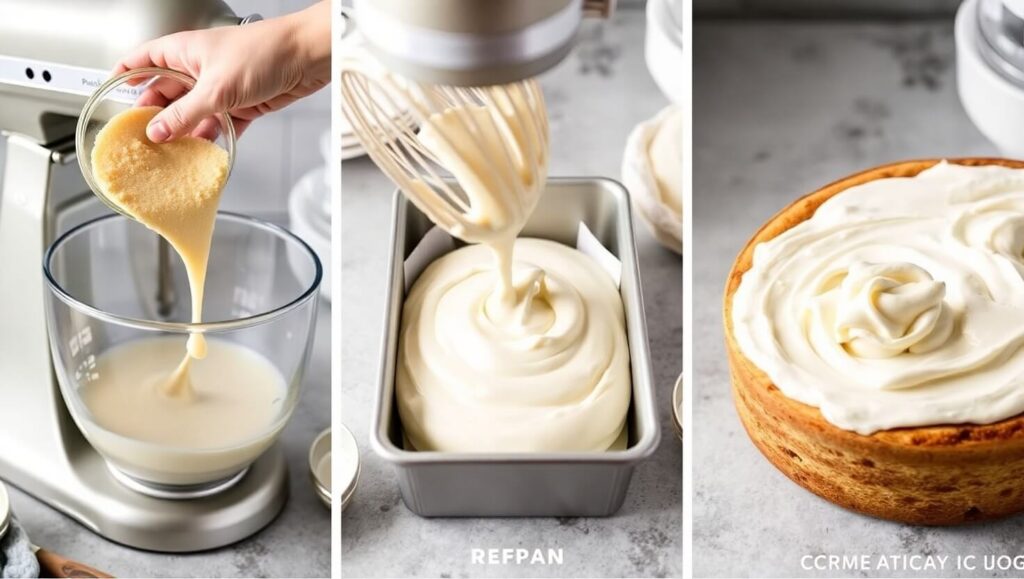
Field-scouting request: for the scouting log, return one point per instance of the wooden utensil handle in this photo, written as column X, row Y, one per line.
column 54, row 565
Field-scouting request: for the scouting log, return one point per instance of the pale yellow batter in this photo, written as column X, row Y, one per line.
column 552, row 374
column 237, row 396
column 174, row 189
column 155, row 413
column 499, row 354
column 501, row 165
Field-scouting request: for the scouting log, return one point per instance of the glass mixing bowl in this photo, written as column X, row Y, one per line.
column 142, row 87
column 112, row 283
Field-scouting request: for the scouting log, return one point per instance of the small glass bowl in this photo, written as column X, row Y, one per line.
column 110, row 284
column 140, row 87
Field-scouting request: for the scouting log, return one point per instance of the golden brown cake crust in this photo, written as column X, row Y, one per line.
column 937, row 475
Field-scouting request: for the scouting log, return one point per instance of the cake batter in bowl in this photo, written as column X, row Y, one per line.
column 118, row 325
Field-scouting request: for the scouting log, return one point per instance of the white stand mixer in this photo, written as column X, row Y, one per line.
column 53, row 54
column 473, row 43
column 990, row 70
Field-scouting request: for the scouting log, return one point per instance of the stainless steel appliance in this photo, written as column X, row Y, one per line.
column 53, row 54
column 473, row 43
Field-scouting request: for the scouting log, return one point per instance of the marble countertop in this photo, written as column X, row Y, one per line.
column 595, row 98
column 779, row 110
column 296, row 544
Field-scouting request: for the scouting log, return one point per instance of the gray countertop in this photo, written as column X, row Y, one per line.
column 595, row 98
column 273, row 154
column 781, row 109
column 296, row 544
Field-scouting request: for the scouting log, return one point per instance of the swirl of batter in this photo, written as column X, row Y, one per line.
column 899, row 303
column 549, row 374
column 510, row 345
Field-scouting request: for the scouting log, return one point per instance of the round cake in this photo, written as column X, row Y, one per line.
column 887, row 353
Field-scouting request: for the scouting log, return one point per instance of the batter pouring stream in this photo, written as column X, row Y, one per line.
column 172, row 188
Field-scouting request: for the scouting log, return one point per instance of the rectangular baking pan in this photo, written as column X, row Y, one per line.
column 524, row 484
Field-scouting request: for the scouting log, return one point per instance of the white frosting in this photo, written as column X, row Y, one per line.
column 883, row 310
column 666, row 157
column 550, row 374
column 652, row 169
column 899, row 303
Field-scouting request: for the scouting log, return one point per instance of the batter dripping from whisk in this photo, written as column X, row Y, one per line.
column 500, row 161
column 534, row 358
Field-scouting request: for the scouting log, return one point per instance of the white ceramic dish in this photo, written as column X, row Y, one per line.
column 637, row 175
column 348, row 465
column 663, row 47
column 677, row 407
column 994, row 102
column 5, row 511
column 352, row 153
column 320, row 448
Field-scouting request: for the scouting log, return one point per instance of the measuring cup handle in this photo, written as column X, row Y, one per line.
column 54, row 565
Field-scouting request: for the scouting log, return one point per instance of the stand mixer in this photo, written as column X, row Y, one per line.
column 459, row 54
column 989, row 38
column 53, row 54
column 473, row 43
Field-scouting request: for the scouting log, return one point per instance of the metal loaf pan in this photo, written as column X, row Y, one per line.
column 524, row 484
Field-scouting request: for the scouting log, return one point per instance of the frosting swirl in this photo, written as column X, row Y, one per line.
column 550, row 374
column 883, row 310
column 899, row 303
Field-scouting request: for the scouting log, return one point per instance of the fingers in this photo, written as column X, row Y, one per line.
column 161, row 92
column 151, row 98
column 183, row 115
column 208, row 128
column 138, row 58
column 164, row 91
column 158, row 52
